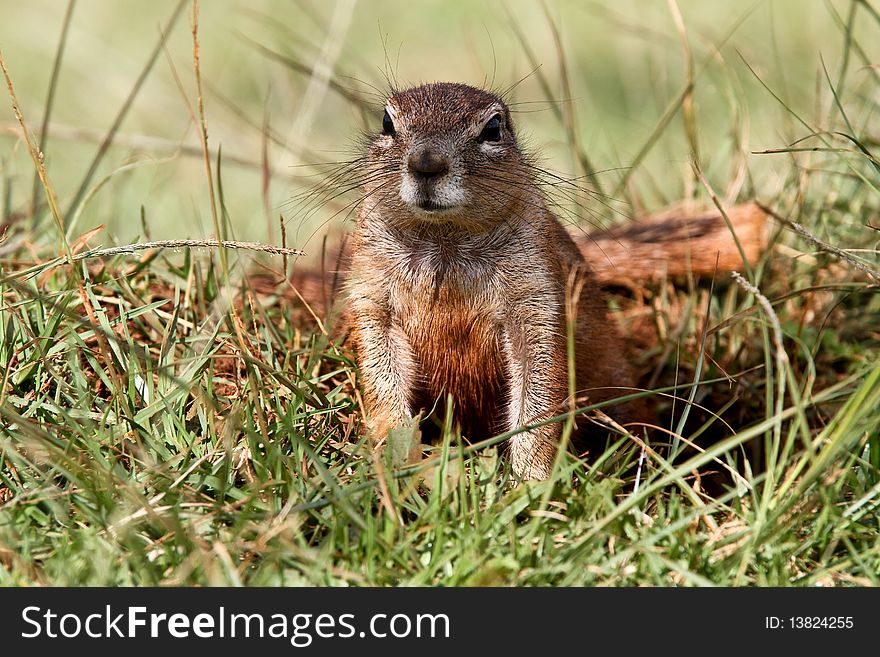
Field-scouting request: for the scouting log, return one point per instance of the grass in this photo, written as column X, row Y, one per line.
column 166, row 419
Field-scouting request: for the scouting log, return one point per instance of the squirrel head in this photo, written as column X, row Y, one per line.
column 446, row 153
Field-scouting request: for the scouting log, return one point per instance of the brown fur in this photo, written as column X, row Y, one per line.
column 471, row 301
column 677, row 243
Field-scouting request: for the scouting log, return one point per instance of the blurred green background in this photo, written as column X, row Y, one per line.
column 625, row 62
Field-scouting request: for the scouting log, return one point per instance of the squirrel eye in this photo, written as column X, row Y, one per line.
column 492, row 129
column 387, row 124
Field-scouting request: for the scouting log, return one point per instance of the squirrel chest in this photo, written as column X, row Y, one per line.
column 460, row 280
column 449, row 306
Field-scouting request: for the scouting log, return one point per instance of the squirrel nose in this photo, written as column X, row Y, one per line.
column 426, row 163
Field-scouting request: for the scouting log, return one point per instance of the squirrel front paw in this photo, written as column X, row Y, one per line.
column 532, row 454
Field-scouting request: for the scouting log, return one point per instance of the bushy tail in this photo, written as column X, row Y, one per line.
column 676, row 243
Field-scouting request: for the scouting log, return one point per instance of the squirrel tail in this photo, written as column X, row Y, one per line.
column 676, row 243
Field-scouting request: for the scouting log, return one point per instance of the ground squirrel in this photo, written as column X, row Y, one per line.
column 461, row 279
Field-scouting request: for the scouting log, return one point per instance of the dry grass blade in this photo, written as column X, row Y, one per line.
column 303, row 69
column 203, row 137
column 823, row 246
column 148, row 246
column 37, row 158
column 567, row 106
column 123, row 111
column 50, row 104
